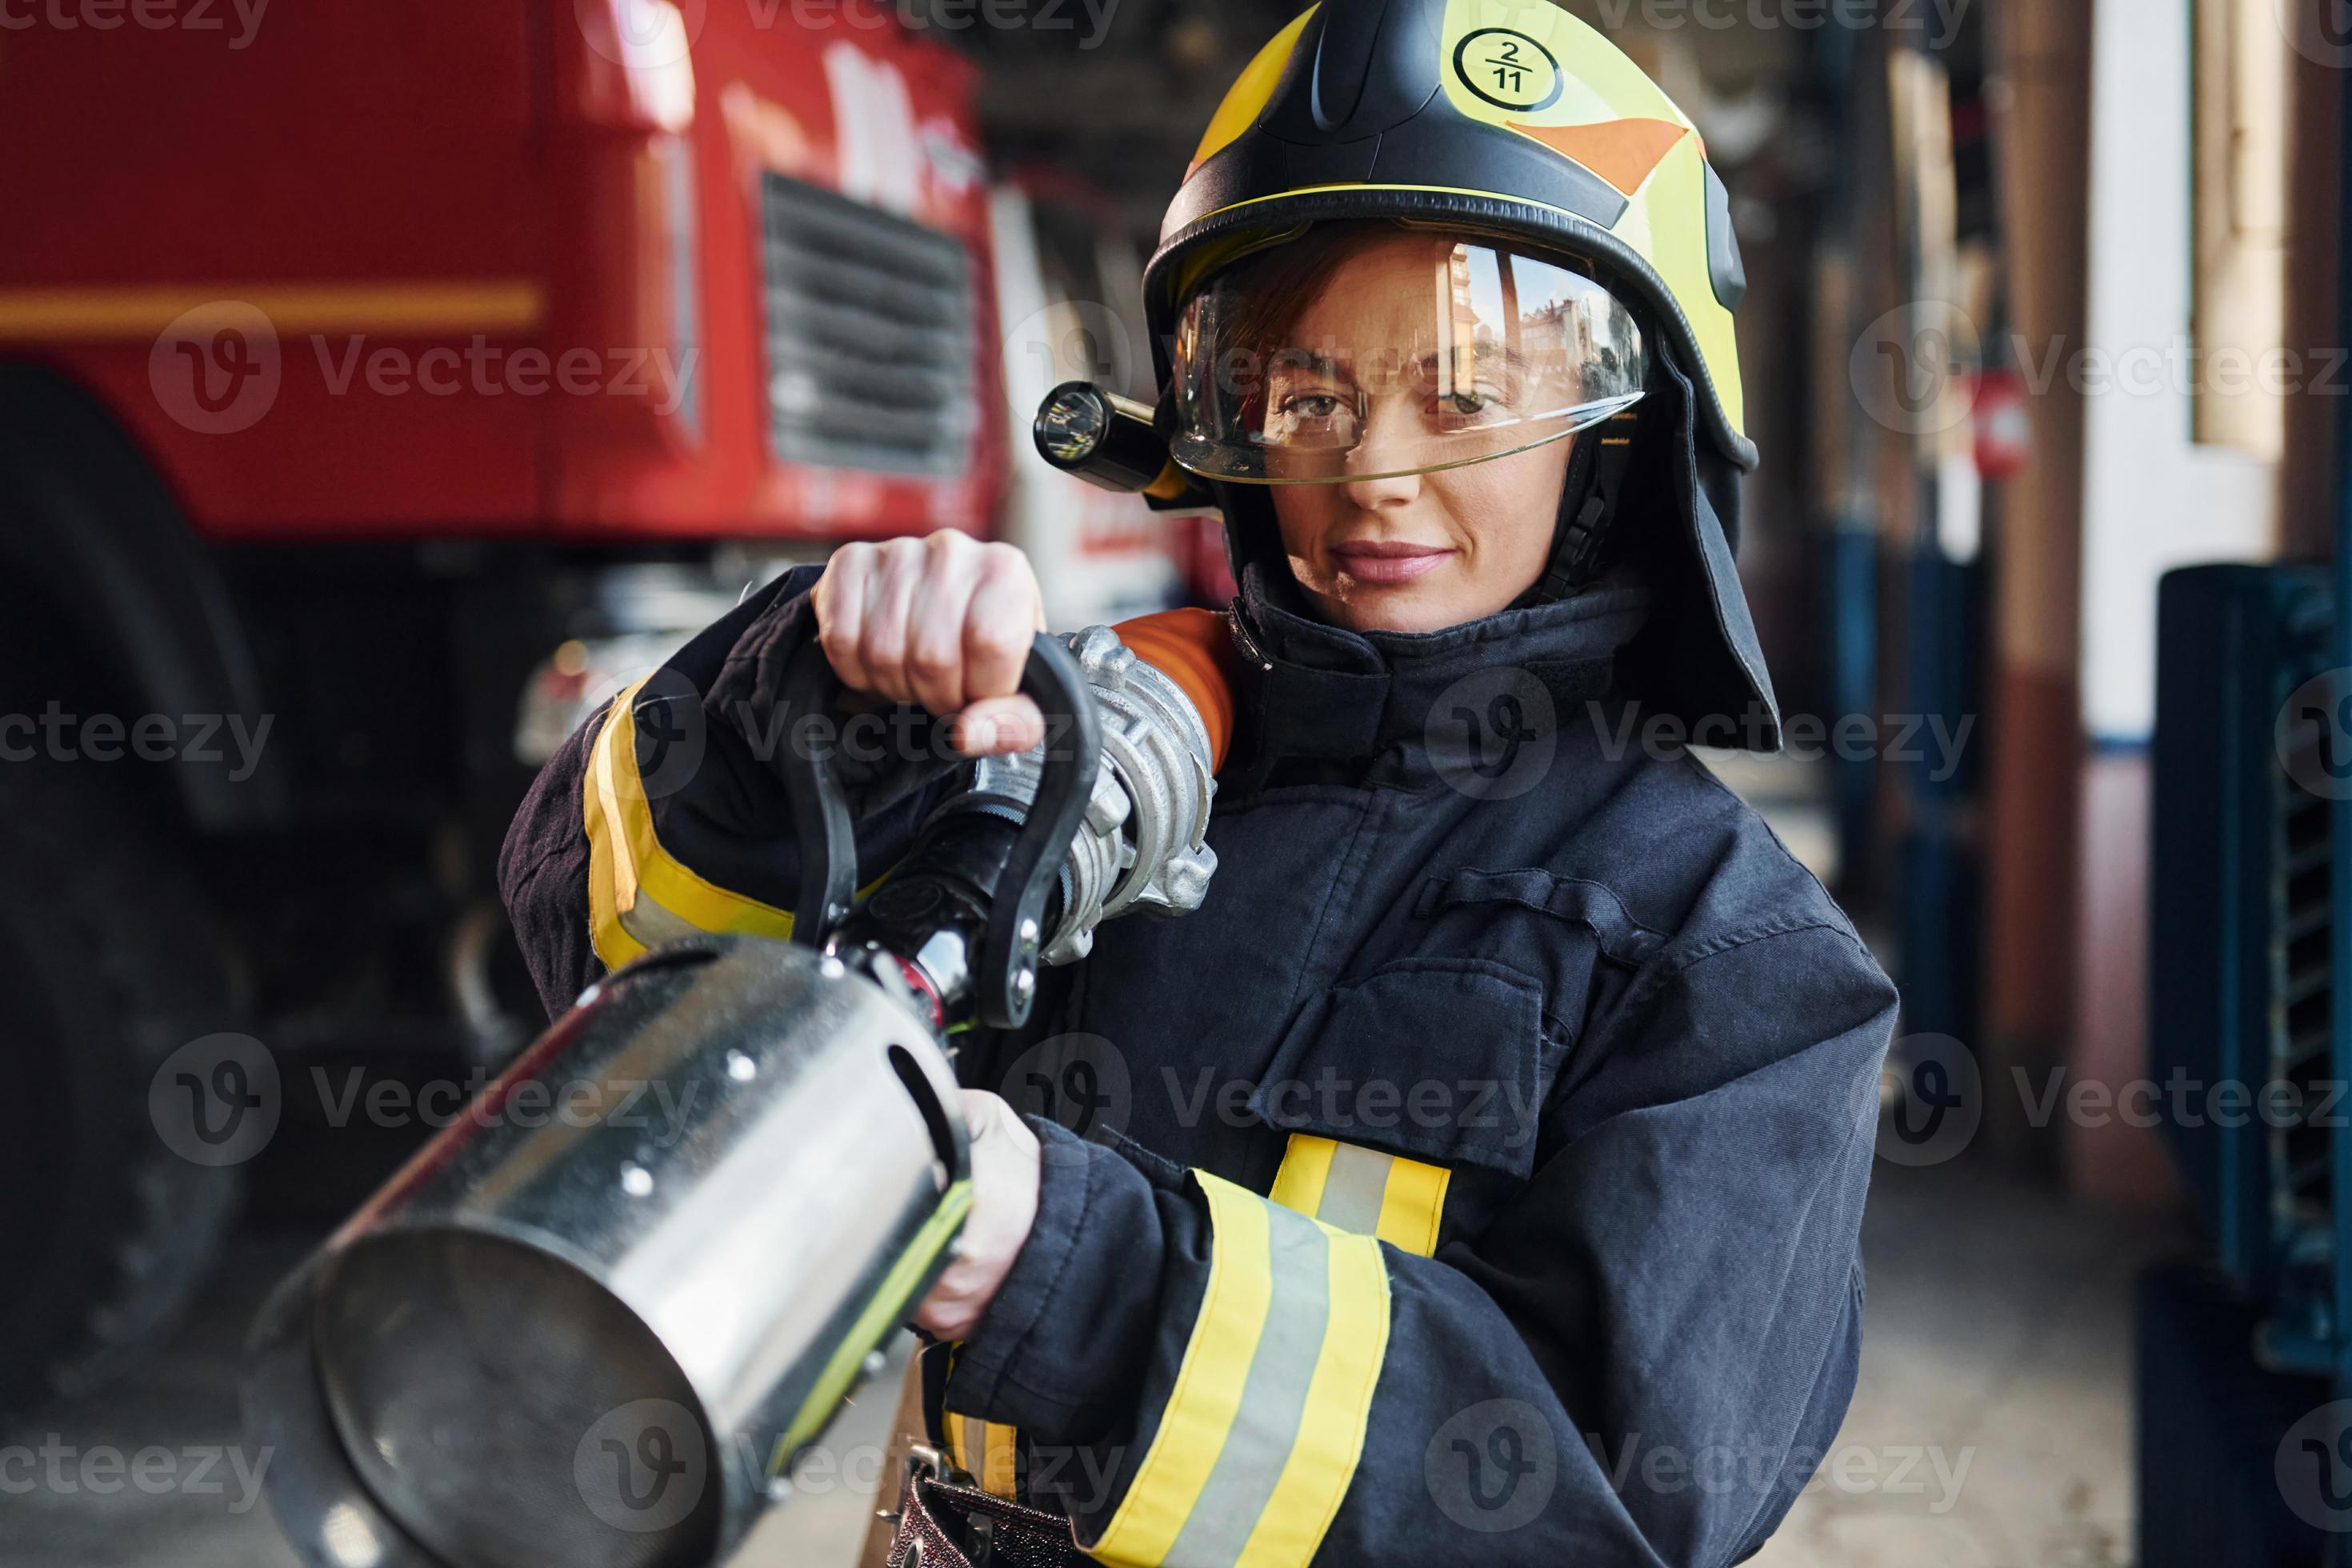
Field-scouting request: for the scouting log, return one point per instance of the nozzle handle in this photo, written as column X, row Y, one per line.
column 823, row 826
column 1005, row 971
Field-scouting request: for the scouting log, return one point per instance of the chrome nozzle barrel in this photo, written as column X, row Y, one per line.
column 593, row 1332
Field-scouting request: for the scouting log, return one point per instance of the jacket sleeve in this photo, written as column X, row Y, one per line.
column 1640, row 1361
column 675, row 820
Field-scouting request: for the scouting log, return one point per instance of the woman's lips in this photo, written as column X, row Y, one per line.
column 1369, row 561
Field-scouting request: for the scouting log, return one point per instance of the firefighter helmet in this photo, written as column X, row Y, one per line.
column 1511, row 119
column 1513, row 126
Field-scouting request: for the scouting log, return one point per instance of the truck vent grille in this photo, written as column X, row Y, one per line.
column 870, row 335
column 2302, row 942
column 2301, row 997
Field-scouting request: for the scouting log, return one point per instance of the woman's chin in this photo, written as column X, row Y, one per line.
column 1394, row 607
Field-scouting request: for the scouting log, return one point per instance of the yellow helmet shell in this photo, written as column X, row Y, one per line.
column 1508, row 117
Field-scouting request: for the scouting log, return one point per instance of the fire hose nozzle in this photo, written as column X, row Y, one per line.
column 594, row 1320
column 1143, row 842
column 596, row 1317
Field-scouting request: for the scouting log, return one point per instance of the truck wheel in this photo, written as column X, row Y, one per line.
column 110, row 964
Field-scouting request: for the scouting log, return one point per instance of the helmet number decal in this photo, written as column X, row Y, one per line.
column 1508, row 69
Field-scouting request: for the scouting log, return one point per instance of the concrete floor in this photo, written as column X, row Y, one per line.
column 1998, row 1341
column 1991, row 1430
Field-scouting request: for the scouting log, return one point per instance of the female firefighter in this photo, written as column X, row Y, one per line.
column 1491, row 1145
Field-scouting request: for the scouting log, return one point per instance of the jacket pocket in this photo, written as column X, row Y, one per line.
column 1616, row 932
column 1574, row 937
column 1438, row 1058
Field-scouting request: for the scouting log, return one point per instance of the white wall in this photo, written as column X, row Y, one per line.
column 2152, row 500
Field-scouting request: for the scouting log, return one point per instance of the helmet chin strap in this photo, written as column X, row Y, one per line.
column 1588, row 507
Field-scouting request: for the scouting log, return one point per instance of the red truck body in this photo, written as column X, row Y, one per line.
column 362, row 363
column 487, row 238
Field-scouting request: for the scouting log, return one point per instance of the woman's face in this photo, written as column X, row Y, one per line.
column 1422, row 551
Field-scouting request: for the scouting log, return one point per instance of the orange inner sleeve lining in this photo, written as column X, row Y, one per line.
column 1194, row 648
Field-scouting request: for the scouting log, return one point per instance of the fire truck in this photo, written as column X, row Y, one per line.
column 369, row 374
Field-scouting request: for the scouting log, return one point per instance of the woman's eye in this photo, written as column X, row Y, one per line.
column 1312, row 406
column 1482, row 402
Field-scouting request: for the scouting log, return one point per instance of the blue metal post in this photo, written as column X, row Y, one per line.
column 2340, row 884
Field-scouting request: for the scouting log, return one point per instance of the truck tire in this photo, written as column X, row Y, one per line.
column 110, row 962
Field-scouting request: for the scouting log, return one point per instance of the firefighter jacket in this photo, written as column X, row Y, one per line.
column 1475, row 1177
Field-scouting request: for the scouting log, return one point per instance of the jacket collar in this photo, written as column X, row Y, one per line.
column 1316, row 690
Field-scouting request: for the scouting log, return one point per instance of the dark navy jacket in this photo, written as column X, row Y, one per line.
column 1573, row 1065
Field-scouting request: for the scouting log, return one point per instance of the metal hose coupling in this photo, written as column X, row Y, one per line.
column 1143, row 844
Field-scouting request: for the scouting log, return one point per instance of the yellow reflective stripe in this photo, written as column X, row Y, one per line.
column 989, row 1450
column 997, row 1470
column 1262, row 1434
column 612, row 869
column 638, row 893
column 1208, row 1392
column 1305, row 1167
column 967, row 1441
column 1414, row 1206
column 960, row 1441
column 1413, row 1198
column 1339, row 1410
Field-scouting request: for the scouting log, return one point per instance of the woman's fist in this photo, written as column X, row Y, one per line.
column 944, row 622
column 1005, row 1177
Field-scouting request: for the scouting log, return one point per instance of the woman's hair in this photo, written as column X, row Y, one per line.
column 1284, row 279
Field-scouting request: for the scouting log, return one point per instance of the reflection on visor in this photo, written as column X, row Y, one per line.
column 1363, row 352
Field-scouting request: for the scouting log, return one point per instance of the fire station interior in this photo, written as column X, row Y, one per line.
column 2040, row 347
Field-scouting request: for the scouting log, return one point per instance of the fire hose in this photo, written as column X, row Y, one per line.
column 600, row 1339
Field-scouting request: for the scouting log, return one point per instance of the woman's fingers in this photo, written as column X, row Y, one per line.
column 840, row 601
column 936, row 622
column 944, row 622
column 882, row 646
column 998, row 725
column 1006, row 612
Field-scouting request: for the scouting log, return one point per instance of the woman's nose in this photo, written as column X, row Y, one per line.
column 1397, row 489
column 1391, row 441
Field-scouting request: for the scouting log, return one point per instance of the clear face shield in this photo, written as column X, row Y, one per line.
column 1377, row 350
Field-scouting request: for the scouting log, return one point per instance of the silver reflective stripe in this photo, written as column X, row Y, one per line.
column 654, row 925
column 1273, row 1399
column 1354, row 1191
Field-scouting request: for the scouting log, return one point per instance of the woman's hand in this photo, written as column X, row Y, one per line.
column 944, row 622
column 1004, row 1164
